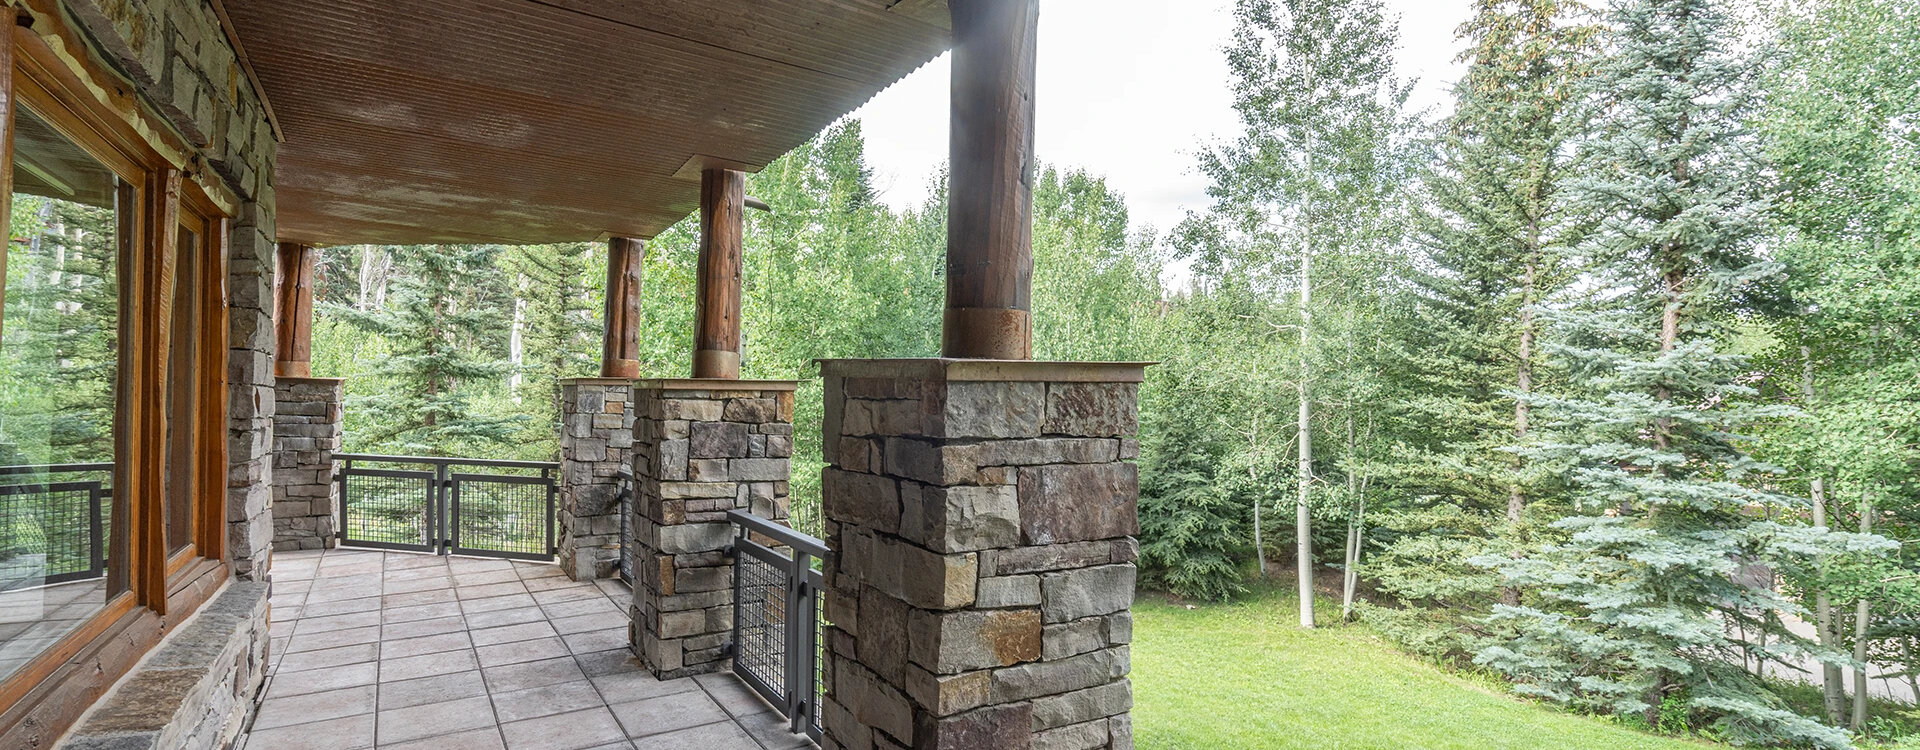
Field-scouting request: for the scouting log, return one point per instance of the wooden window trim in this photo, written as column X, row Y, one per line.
column 151, row 590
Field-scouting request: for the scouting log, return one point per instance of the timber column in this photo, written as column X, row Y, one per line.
column 293, row 311
column 981, row 509
column 716, row 312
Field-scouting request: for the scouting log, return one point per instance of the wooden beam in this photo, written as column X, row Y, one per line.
column 620, row 348
column 293, row 311
column 716, row 316
column 990, row 203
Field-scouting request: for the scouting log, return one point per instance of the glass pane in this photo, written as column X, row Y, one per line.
column 59, row 358
column 182, row 370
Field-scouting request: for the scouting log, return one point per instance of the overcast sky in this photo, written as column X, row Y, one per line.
column 1130, row 89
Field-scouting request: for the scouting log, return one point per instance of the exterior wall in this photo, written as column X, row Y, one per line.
column 176, row 54
column 981, row 518
column 596, row 439
column 306, row 435
column 700, row 449
column 196, row 691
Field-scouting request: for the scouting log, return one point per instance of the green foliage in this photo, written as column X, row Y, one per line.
column 436, row 311
column 59, row 360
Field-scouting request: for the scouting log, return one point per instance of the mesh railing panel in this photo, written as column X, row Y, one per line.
column 501, row 516
column 386, row 509
column 64, row 521
column 760, row 622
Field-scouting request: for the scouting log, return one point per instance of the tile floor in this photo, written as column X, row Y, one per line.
column 397, row 651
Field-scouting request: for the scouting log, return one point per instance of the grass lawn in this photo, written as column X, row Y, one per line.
column 1243, row 675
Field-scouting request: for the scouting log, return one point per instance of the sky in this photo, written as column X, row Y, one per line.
column 1132, row 90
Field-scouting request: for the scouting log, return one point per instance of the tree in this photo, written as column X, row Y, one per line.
column 443, row 304
column 1637, row 611
column 556, row 327
column 1497, row 240
column 60, row 358
column 1839, row 127
column 1302, row 200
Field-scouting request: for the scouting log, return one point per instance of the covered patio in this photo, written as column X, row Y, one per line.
column 377, row 649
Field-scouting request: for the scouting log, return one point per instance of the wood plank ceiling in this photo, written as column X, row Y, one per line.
column 521, row 121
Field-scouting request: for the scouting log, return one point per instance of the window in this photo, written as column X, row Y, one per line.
column 196, row 367
column 60, row 344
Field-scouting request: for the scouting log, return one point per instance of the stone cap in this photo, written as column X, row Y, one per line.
column 287, row 379
column 598, row 381
column 987, row 370
column 715, row 384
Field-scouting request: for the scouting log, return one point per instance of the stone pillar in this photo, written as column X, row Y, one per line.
column 306, row 434
column 700, row 448
column 981, row 517
column 596, row 439
column 250, row 390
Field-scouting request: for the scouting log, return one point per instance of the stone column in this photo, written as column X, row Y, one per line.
column 981, row 517
column 306, row 434
column 700, row 448
column 596, row 439
column 250, row 390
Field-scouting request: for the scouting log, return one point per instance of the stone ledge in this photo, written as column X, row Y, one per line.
column 193, row 692
column 713, row 384
column 598, row 381
column 292, row 379
column 987, row 370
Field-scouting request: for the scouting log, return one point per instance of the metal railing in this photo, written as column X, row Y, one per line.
column 436, row 507
column 776, row 617
column 624, row 481
column 63, row 522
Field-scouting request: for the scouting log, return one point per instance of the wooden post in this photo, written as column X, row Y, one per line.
column 990, row 202
column 620, row 349
column 716, row 315
column 293, row 311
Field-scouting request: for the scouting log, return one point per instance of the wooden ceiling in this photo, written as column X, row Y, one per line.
column 521, row 121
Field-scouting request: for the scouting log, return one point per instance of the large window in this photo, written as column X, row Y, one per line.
column 60, row 342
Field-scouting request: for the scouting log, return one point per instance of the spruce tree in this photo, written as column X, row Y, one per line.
column 442, row 310
column 1650, row 608
column 558, row 308
column 1496, row 244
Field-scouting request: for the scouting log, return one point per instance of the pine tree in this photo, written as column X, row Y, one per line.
column 443, row 309
column 557, row 319
column 1642, row 609
column 1496, row 242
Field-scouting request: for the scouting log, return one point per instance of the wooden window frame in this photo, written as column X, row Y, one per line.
column 150, row 591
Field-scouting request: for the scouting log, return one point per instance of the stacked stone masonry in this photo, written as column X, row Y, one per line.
column 196, row 691
column 981, row 517
column 596, row 440
column 701, row 448
column 306, row 435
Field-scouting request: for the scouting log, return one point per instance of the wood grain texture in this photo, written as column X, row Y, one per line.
column 452, row 121
column 293, row 311
column 990, row 208
column 716, row 340
column 620, row 347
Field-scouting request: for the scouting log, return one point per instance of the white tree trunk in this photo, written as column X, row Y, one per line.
column 1861, row 617
column 1303, row 514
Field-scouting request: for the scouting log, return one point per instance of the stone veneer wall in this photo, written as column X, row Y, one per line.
column 981, row 518
column 195, row 692
column 596, row 439
column 177, row 56
column 700, row 448
column 306, row 435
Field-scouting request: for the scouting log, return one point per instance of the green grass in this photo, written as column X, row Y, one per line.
column 1244, row 675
